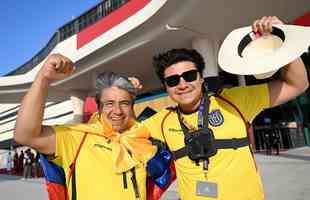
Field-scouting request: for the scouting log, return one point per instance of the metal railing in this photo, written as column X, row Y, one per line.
column 88, row 18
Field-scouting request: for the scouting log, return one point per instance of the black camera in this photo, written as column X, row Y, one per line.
column 200, row 144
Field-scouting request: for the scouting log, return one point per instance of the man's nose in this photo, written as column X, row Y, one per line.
column 117, row 109
column 182, row 84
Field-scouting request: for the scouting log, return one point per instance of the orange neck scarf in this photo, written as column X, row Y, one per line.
column 129, row 148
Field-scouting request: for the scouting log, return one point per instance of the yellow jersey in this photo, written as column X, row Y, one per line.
column 96, row 178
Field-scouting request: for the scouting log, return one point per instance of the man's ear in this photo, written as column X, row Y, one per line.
column 99, row 106
column 163, row 86
column 202, row 80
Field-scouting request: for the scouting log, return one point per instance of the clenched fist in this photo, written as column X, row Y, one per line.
column 56, row 67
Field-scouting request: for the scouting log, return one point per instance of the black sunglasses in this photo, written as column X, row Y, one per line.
column 188, row 76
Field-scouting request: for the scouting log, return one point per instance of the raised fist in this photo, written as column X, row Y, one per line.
column 57, row 67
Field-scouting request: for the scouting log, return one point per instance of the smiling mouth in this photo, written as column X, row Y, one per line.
column 184, row 93
column 117, row 120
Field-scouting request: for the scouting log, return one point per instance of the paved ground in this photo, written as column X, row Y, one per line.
column 13, row 188
column 285, row 177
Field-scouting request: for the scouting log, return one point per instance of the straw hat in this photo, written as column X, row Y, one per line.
column 245, row 52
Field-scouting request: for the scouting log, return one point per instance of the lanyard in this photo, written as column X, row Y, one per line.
column 202, row 116
column 203, row 121
column 203, row 111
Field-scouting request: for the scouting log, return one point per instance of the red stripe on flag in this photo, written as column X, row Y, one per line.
column 109, row 21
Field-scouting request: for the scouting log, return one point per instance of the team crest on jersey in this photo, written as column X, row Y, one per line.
column 216, row 118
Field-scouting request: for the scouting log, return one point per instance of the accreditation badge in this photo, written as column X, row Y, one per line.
column 206, row 189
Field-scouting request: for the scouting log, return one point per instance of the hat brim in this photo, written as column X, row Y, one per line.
column 297, row 40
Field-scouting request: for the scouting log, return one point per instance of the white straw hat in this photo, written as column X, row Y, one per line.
column 245, row 52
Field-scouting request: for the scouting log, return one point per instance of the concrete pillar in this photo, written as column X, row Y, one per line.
column 208, row 48
column 77, row 99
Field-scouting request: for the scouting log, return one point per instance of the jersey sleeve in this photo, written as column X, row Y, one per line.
column 66, row 145
column 154, row 123
column 251, row 100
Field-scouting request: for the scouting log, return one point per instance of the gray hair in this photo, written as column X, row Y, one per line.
column 108, row 79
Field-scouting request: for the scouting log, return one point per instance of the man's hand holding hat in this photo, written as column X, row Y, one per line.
column 264, row 25
column 263, row 48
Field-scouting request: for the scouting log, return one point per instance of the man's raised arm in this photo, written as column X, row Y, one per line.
column 294, row 80
column 29, row 129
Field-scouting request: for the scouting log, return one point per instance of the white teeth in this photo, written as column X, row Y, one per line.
column 117, row 119
column 184, row 93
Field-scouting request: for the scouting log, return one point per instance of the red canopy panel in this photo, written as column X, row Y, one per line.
column 303, row 20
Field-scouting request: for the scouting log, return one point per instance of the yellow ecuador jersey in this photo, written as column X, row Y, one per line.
column 233, row 171
column 96, row 178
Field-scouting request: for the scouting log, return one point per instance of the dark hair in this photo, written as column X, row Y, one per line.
column 108, row 79
column 166, row 59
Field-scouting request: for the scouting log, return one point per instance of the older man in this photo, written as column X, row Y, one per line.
column 109, row 165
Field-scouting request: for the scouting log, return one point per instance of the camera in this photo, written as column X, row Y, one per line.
column 200, row 144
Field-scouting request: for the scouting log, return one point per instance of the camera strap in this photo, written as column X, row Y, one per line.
column 203, row 123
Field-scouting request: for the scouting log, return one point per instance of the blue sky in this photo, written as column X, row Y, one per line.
column 27, row 25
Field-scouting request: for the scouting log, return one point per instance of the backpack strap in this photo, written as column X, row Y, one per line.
column 236, row 108
column 163, row 122
column 72, row 170
column 233, row 143
column 247, row 125
column 135, row 183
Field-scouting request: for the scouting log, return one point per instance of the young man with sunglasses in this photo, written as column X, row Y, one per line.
column 208, row 134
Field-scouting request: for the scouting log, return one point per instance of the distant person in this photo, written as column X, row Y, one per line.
column 21, row 162
column 37, row 166
column 27, row 164
column 9, row 162
column 15, row 161
column 268, row 142
column 275, row 140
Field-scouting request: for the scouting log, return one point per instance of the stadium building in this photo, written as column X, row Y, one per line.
column 123, row 35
